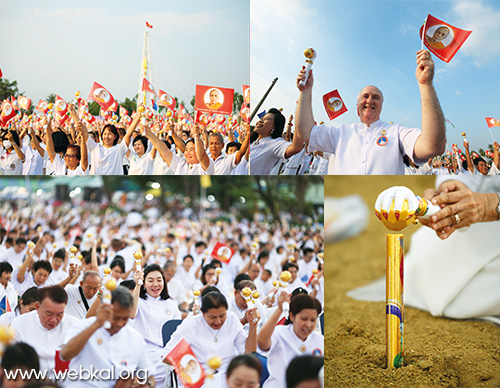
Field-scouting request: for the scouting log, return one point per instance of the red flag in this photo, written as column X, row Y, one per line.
column 186, row 365
column 222, row 253
column 246, row 94
column 83, row 110
column 24, row 102
column 491, row 122
column 1, row 75
column 443, row 39
column 147, row 86
column 13, row 102
column 60, row 106
column 166, row 100
column 42, row 106
column 101, row 95
column 8, row 111
column 5, row 305
column 489, row 153
column 201, row 118
column 123, row 111
column 183, row 114
column 220, row 119
column 214, row 100
column 245, row 113
column 148, row 25
column 334, row 105
column 113, row 107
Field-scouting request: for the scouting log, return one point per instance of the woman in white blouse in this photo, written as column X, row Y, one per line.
column 216, row 331
column 152, row 308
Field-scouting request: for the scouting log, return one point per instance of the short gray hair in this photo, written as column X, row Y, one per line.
column 122, row 296
column 221, row 138
column 89, row 273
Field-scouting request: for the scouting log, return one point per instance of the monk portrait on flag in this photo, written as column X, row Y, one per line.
column 214, row 99
column 166, row 99
column 374, row 147
column 101, row 95
column 437, row 40
column 334, row 104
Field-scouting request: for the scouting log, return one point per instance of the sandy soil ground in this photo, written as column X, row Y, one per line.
column 438, row 352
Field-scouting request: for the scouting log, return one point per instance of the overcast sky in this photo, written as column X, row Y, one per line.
column 359, row 43
column 64, row 46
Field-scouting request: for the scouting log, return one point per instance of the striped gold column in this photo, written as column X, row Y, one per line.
column 394, row 301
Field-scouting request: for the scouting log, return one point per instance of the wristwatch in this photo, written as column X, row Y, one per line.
column 498, row 207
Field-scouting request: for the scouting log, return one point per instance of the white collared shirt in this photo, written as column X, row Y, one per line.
column 362, row 150
column 264, row 154
column 224, row 164
column 10, row 164
column 45, row 342
column 285, row 345
column 181, row 167
column 106, row 161
column 124, row 351
column 75, row 306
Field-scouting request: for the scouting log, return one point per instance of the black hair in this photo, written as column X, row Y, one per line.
column 15, row 137
column 20, row 355
column 113, row 130
column 290, row 264
column 77, row 150
column 200, row 243
column 208, row 289
column 118, row 261
column 245, row 283
column 240, row 277
column 30, row 296
column 144, row 141
column 151, row 268
column 61, row 253
column 306, row 251
column 204, row 271
column 303, row 301
column 247, row 360
column 56, row 294
column 129, row 283
column 233, row 144
column 185, row 257
column 42, row 264
column 61, row 142
column 478, row 159
column 213, row 300
column 20, row 240
column 263, row 254
column 303, row 368
column 279, row 122
column 5, row 267
column 122, row 296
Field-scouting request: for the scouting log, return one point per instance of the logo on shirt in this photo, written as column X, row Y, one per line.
column 168, row 311
column 12, row 166
column 99, row 341
column 382, row 141
column 123, row 363
column 317, row 352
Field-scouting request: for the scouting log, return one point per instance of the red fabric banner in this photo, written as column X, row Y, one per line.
column 443, row 39
column 24, row 102
column 491, row 122
column 186, row 365
column 8, row 111
column 245, row 113
column 42, row 106
column 101, row 95
column 211, row 99
column 148, row 86
column 222, row 253
column 201, row 118
column 334, row 105
column 246, row 94
column 166, row 100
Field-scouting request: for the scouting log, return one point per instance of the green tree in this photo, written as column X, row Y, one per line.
column 51, row 98
column 94, row 108
column 237, row 102
column 130, row 104
column 8, row 89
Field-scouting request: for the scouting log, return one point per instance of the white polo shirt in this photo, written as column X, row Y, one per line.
column 28, row 281
column 106, row 161
column 33, row 162
column 285, row 346
column 10, row 164
column 13, row 258
column 75, row 306
column 265, row 152
column 122, row 352
column 45, row 342
column 56, row 167
column 241, row 168
column 77, row 171
column 241, row 313
column 141, row 165
column 181, row 167
column 362, row 150
column 224, row 164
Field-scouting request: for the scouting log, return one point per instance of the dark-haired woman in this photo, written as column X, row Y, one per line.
column 216, row 331
column 107, row 156
column 26, row 305
column 141, row 159
column 244, row 371
column 11, row 155
column 286, row 342
column 270, row 147
column 152, row 308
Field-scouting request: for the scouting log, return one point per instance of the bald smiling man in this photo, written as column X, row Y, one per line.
column 373, row 147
